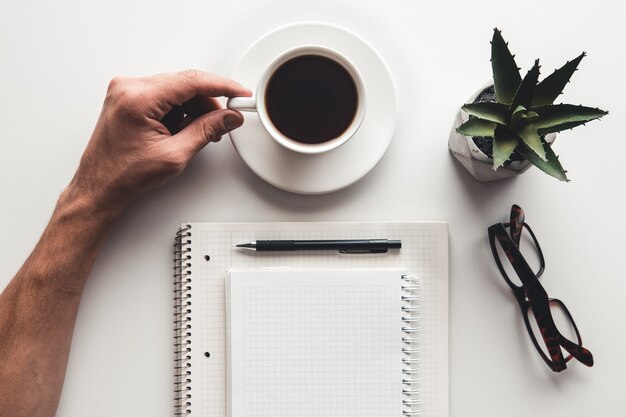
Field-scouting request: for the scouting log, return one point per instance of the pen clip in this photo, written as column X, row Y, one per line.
column 362, row 251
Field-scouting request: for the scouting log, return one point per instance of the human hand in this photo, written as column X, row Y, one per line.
column 148, row 131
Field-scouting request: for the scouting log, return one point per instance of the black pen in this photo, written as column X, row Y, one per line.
column 343, row 246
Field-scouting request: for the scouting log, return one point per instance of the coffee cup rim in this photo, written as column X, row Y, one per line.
column 311, row 49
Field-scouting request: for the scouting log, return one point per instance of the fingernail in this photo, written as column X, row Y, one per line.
column 232, row 122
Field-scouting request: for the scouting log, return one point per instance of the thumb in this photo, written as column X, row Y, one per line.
column 207, row 128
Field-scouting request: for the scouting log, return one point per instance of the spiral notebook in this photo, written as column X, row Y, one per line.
column 311, row 333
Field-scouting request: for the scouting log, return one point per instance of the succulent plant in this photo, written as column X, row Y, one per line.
column 524, row 113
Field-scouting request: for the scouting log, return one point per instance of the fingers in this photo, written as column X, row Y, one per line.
column 175, row 88
column 207, row 128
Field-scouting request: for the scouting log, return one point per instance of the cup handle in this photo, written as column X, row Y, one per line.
column 241, row 103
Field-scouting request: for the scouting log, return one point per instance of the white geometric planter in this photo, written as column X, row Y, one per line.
column 479, row 165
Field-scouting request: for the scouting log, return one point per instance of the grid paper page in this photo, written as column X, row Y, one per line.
column 315, row 343
column 424, row 253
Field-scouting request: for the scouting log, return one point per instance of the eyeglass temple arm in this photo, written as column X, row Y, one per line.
column 578, row 351
column 516, row 223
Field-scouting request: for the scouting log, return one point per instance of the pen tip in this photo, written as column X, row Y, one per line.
column 245, row 245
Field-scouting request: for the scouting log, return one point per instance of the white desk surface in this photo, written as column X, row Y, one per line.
column 57, row 58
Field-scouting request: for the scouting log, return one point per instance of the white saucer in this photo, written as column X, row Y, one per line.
column 340, row 167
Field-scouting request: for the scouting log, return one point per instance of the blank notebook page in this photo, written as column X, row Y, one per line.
column 315, row 343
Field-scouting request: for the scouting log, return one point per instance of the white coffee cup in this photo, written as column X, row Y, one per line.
column 258, row 103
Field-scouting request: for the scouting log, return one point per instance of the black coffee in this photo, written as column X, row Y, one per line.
column 311, row 99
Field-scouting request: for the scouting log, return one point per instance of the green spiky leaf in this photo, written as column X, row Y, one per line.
column 504, row 143
column 477, row 127
column 526, row 91
column 506, row 77
column 494, row 112
column 523, row 118
column 559, row 128
column 550, row 166
column 552, row 86
column 517, row 116
column 529, row 136
column 558, row 117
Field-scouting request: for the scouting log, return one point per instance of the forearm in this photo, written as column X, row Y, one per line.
column 38, row 308
column 148, row 131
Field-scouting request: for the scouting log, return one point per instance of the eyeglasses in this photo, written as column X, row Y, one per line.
column 537, row 308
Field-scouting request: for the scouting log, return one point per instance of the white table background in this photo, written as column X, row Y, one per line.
column 57, row 58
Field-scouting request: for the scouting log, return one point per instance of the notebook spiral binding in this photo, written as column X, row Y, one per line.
column 411, row 332
column 182, row 321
